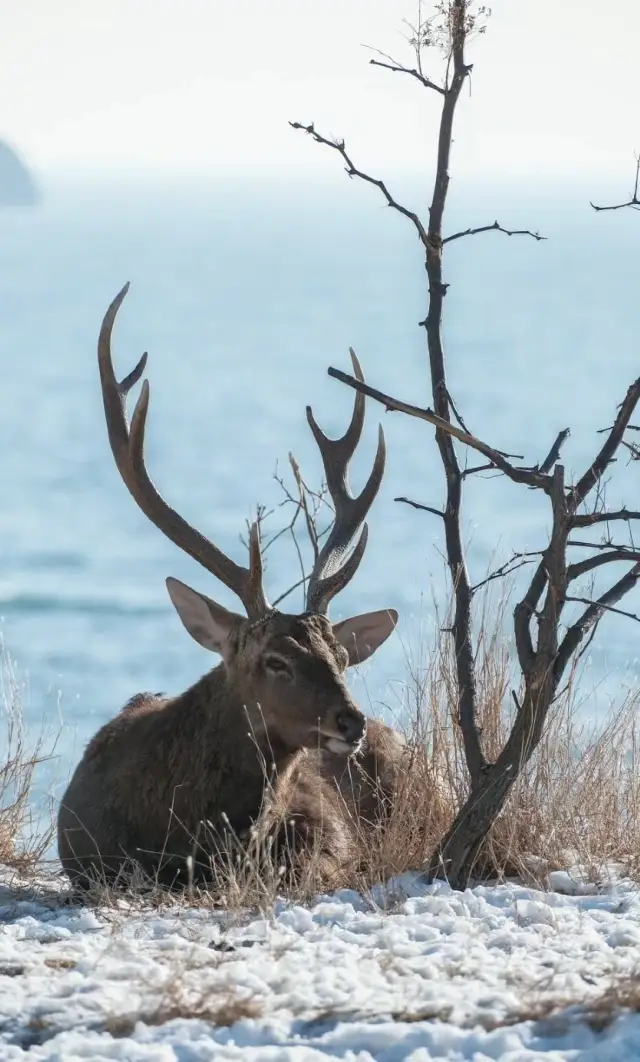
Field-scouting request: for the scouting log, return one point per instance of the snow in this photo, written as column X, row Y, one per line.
column 410, row 972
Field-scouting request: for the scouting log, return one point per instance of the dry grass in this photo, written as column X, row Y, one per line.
column 223, row 1005
column 217, row 1008
column 22, row 840
column 604, row 1008
column 554, row 1014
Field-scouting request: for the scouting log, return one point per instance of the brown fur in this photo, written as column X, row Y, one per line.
column 367, row 780
column 166, row 771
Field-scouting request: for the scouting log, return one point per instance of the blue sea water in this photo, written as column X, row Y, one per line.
column 243, row 294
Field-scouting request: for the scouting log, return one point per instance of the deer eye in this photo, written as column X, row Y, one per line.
column 278, row 666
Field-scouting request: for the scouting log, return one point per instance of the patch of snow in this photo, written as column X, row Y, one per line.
column 411, row 972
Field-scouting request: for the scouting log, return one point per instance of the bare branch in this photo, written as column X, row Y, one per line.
column 606, row 544
column 457, row 414
column 574, row 571
column 588, row 519
column 518, row 475
column 306, row 502
column 419, row 505
column 302, row 500
column 479, row 468
column 584, row 648
column 352, row 171
column 285, row 594
column 496, row 227
column 608, row 450
column 633, row 201
column 398, row 68
column 525, row 609
column 517, row 561
column 607, row 608
column 633, row 204
column 522, row 614
column 575, row 634
column 540, row 682
column 554, row 452
column 630, row 427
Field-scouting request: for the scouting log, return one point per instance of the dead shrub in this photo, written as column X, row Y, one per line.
column 217, row 1006
column 23, row 842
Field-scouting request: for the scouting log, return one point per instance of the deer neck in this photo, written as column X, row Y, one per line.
column 250, row 759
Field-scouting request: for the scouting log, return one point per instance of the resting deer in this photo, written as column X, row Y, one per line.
column 154, row 774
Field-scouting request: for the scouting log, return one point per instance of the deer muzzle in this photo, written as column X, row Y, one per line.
column 343, row 731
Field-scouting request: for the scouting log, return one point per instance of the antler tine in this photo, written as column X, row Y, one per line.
column 329, row 575
column 343, row 449
column 127, row 446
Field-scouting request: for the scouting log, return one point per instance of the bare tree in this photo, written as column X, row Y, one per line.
column 546, row 643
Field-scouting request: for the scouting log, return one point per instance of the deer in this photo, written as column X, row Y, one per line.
column 274, row 716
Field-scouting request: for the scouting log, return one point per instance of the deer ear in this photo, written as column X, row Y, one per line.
column 362, row 635
column 208, row 623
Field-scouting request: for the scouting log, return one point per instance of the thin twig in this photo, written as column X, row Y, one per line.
column 605, row 544
column 605, row 608
column 419, row 505
column 353, row 171
column 633, row 202
column 456, row 413
column 588, row 519
column 479, row 468
column 398, row 68
column 311, row 528
column 285, row 594
column 496, row 227
column 517, row 561
column 608, row 450
column 630, row 427
column 307, row 502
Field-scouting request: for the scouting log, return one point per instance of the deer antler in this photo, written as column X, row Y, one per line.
column 329, row 576
column 127, row 446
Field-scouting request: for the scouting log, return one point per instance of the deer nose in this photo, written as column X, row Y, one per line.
column 352, row 725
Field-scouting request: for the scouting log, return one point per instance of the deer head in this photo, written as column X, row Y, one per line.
column 288, row 670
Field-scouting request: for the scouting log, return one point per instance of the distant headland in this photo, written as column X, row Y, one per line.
column 17, row 185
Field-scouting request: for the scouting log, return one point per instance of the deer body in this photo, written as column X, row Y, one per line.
column 150, row 779
column 167, row 778
column 269, row 731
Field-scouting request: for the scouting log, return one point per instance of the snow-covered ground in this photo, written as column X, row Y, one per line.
column 438, row 975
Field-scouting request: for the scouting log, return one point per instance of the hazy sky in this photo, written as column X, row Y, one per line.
column 199, row 84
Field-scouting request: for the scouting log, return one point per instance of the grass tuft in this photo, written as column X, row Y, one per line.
column 23, row 842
